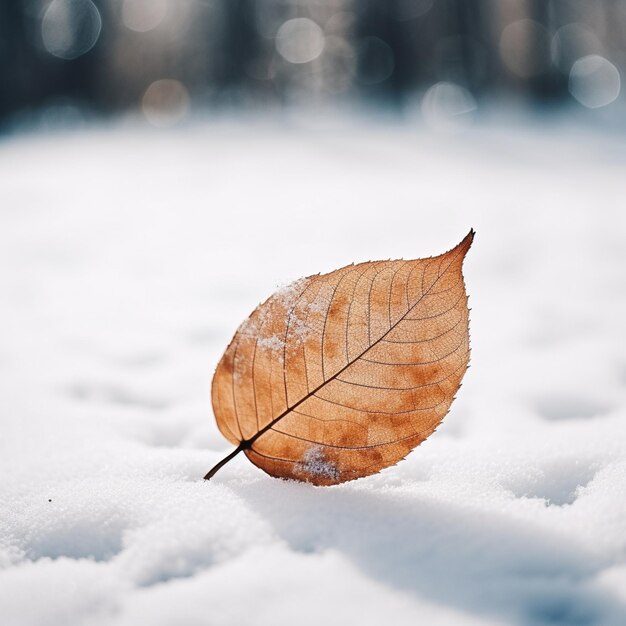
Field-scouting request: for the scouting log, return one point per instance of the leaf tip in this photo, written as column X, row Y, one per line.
column 466, row 243
column 470, row 237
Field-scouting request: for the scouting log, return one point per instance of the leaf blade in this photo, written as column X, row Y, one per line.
column 340, row 375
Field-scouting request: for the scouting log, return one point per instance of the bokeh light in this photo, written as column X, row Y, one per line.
column 165, row 102
column 447, row 106
column 571, row 42
column 143, row 15
column 594, row 81
column 525, row 48
column 300, row 40
column 70, row 28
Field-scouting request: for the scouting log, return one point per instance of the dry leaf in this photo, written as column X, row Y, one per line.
column 340, row 375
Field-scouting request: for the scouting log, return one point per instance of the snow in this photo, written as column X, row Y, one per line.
column 128, row 258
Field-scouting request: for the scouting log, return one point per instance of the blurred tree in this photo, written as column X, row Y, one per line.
column 230, row 52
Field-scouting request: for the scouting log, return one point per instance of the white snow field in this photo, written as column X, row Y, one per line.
column 129, row 257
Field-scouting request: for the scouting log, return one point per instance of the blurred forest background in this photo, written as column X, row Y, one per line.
column 64, row 61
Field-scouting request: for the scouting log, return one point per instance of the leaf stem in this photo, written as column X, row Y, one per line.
column 242, row 446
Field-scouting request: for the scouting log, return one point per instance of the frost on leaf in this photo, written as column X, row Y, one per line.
column 337, row 376
column 272, row 343
column 315, row 465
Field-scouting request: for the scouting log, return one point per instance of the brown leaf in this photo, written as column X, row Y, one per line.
column 340, row 375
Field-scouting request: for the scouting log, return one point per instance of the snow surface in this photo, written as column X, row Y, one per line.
column 129, row 257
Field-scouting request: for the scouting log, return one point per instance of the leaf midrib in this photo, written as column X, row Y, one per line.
column 246, row 444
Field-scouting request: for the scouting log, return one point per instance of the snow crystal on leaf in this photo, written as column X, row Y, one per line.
column 249, row 327
column 318, row 307
column 271, row 343
column 287, row 294
column 316, row 464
